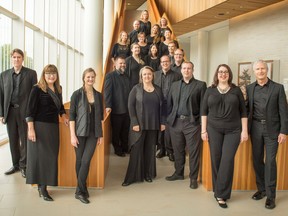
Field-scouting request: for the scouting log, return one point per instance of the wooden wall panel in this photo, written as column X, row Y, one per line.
column 244, row 176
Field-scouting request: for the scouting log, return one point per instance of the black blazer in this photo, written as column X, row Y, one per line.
column 79, row 112
column 276, row 113
column 197, row 91
column 27, row 80
column 135, row 106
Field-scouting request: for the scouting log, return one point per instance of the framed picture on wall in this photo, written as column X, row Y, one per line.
column 270, row 68
column 244, row 74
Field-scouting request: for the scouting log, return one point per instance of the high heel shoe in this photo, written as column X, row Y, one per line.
column 221, row 202
column 44, row 194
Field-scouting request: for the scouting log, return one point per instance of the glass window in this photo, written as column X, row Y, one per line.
column 29, row 14
column 5, row 42
column 28, row 61
column 6, row 4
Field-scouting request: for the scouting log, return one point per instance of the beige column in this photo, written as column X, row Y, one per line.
column 201, row 72
column 93, row 38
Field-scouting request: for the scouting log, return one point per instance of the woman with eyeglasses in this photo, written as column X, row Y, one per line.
column 224, row 125
column 44, row 107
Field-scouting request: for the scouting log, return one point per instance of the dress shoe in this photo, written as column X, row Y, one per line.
column 221, row 202
column 174, row 177
column 12, row 170
column 270, row 203
column 125, row 184
column 161, row 154
column 259, row 195
column 82, row 198
column 171, row 157
column 45, row 195
column 148, row 179
column 120, row 154
column 193, row 184
column 23, row 172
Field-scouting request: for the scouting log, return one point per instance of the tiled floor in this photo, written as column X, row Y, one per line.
column 157, row 198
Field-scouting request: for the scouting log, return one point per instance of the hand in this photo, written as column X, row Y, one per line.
column 136, row 128
column 66, row 120
column 99, row 140
column 108, row 110
column 32, row 135
column 74, row 141
column 162, row 127
column 281, row 138
column 204, row 136
column 2, row 120
column 244, row 136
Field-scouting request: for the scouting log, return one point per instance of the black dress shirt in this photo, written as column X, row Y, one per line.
column 15, row 95
column 260, row 99
column 184, row 108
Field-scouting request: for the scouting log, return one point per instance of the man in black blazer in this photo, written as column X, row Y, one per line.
column 116, row 92
column 164, row 79
column 183, row 105
column 15, row 87
column 268, row 127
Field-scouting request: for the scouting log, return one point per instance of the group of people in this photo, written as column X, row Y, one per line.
column 182, row 112
column 166, row 108
column 31, row 111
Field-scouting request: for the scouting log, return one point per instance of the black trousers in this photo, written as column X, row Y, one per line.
column 223, row 145
column 142, row 162
column 266, row 171
column 17, row 133
column 84, row 154
column 185, row 134
column 164, row 141
column 120, row 124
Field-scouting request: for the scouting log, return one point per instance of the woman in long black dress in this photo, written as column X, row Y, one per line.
column 133, row 64
column 86, row 114
column 145, row 105
column 152, row 58
column 154, row 37
column 144, row 47
column 44, row 107
column 145, row 24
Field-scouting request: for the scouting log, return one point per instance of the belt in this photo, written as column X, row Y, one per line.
column 262, row 121
column 183, row 117
column 14, row 105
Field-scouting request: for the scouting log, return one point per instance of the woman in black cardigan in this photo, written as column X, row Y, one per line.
column 146, row 110
column 86, row 113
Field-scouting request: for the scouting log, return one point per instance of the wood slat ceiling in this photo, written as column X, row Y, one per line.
column 219, row 13
column 134, row 4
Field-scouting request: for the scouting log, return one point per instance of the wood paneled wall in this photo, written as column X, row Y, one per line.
column 182, row 9
column 244, row 177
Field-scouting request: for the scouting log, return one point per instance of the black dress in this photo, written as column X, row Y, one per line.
column 152, row 62
column 42, row 155
column 132, row 70
column 120, row 50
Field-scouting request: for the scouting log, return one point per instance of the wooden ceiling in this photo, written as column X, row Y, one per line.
column 219, row 13
column 134, row 4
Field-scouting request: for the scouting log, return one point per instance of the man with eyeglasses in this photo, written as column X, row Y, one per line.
column 15, row 86
column 178, row 60
column 164, row 78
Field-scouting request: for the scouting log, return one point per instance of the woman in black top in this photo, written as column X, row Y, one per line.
column 122, row 47
column 144, row 47
column 154, row 37
column 145, row 105
column 163, row 47
column 145, row 24
column 224, row 123
column 152, row 59
column 133, row 64
column 44, row 107
column 86, row 114
column 163, row 26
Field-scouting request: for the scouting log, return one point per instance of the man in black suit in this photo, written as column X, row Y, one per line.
column 184, row 101
column 15, row 87
column 268, row 127
column 164, row 79
column 116, row 92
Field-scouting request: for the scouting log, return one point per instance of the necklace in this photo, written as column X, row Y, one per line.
column 223, row 91
column 149, row 89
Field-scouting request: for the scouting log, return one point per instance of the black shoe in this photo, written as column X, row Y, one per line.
column 259, row 195
column 125, row 184
column 12, row 170
column 148, row 179
column 161, row 154
column 193, row 184
column 174, row 177
column 270, row 203
column 86, row 194
column 221, row 202
column 82, row 198
column 45, row 195
column 171, row 157
column 120, row 154
column 23, row 172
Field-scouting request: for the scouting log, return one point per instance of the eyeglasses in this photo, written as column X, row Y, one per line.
column 178, row 54
column 51, row 74
column 223, row 72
